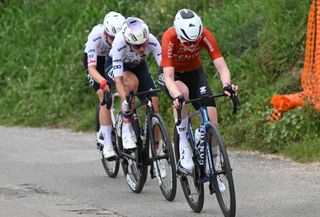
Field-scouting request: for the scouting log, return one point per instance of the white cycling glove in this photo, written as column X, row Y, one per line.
column 125, row 107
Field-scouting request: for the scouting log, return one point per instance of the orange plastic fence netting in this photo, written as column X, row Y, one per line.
column 285, row 102
column 310, row 77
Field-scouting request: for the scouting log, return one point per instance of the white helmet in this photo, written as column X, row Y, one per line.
column 188, row 25
column 113, row 22
column 135, row 31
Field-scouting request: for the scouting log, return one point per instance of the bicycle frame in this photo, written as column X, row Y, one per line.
column 207, row 149
column 145, row 140
column 205, row 123
column 145, row 132
column 204, row 158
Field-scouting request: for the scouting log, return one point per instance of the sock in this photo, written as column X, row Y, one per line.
column 106, row 132
column 182, row 131
column 126, row 127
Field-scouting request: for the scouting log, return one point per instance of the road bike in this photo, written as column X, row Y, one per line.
column 154, row 148
column 211, row 162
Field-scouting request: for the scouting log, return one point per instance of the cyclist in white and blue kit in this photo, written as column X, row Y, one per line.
column 96, row 51
column 129, row 70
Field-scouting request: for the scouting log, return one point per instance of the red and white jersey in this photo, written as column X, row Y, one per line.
column 174, row 54
column 96, row 45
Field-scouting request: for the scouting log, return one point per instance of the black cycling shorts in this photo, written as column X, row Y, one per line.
column 194, row 80
column 141, row 71
column 101, row 61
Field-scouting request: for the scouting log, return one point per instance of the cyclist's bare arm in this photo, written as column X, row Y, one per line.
column 168, row 73
column 225, row 75
column 223, row 70
column 96, row 76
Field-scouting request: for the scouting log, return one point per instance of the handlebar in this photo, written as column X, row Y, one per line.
column 235, row 102
column 143, row 93
column 132, row 94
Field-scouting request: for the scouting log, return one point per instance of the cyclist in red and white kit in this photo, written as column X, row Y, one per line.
column 97, row 49
column 181, row 72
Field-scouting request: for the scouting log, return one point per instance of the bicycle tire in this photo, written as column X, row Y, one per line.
column 111, row 166
column 195, row 201
column 223, row 172
column 135, row 171
column 167, row 182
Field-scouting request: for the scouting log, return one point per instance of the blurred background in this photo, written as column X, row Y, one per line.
column 43, row 83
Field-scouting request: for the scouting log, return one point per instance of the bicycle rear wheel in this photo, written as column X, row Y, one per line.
column 111, row 166
column 223, row 180
column 134, row 169
column 191, row 185
column 164, row 164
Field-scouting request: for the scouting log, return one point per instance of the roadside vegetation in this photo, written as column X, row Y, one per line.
column 42, row 81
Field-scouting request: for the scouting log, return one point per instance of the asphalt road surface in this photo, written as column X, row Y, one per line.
column 58, row 173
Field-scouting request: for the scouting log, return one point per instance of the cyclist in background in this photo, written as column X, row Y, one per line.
column 181, row 73
column 97, row 49
column 130, row 48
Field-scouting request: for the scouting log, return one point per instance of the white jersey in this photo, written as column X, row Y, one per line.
column 121, row 53
column 96, row 45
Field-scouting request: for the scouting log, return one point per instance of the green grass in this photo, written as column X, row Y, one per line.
column 42, row 81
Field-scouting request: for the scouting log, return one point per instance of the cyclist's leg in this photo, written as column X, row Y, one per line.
column 104, row 113
column 184, row 146
column 131, row 82
column 146, row 82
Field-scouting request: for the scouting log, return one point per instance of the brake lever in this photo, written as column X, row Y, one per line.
column 129, row 98
column 236, row 103
column 180, row 99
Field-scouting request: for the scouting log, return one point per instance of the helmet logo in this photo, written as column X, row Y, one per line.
column 114, row 30
column 133, row 37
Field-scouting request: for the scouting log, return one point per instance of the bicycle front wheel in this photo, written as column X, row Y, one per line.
column 134, row 168
column 163, row 155
column 191, row 185
column 223, row 180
